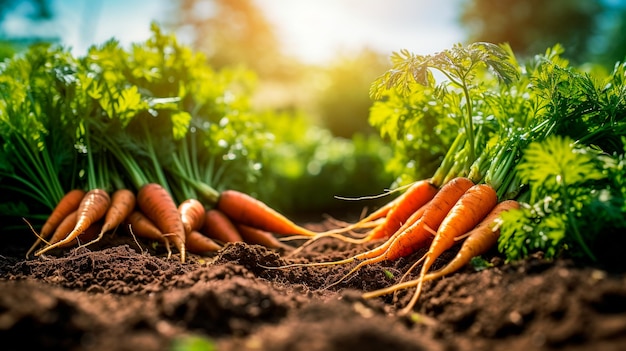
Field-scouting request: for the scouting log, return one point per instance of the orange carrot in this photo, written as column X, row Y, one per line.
column 122, row 204
column 200, row 244
column 192, row 214
column 157, row 204
column 85, row 237
column 261, row 237
column 68, row 204
column 412, row 200
column 410, row 238
column 479, row 240
column 470, row 210
column 418, row 194
column 64, row 228
column 92, row 208
column 219, row 227
column 143, row 227
column 243, row 208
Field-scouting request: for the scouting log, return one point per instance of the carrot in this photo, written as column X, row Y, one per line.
column 122, row 204
column 143, row 227
column 243, row 208
column 157, row 204
column 479, row 240
column 219, row 227
column 85, row 237
column 68, row 204
column 253, row 235
column 192, row 214
column 64, row 228
column 200, row 244
column 468, row 212
column 398, row 213
column 409, row 238
column 92, row 208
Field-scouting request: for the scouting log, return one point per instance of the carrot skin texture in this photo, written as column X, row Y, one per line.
column 64, row 228
column 479, row 240
column 260, row 237
column 123, row 202
column 192, row 214
column 157, row 204
column 68, row 204
column 220, row 227
column 200, row 244
column 243, row 208
column 85, row 237
column 413, row 199
column 438, row 208
column 143, row 227
column 466, row 214
column 92, row 208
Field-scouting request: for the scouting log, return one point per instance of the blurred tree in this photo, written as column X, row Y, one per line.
column 343, row 104
column 531, row 26
column 231, row 32
column 613, row 44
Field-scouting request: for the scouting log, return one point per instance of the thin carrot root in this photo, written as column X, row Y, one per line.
column 68, row 204
column 141, row 226
column 92, row 208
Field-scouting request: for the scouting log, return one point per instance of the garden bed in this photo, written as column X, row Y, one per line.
column 114, row 296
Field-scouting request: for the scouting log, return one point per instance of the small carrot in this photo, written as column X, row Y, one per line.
column 85, row 237
column 122, row 204
column 68, row 204
column 219, row 227
column 418, row 194
column 261, row 237
column 92, row 208
column 157, row 204
column 64, row 228
column 192, row 214
column 466, row 214
column 479, row 240
column 243, row 208
column 143, row 227
column 410, row 238
column 200, row 244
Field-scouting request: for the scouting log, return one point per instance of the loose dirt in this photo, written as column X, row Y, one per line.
column 124, row 295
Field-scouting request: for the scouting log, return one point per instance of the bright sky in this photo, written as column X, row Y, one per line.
column 313, row 30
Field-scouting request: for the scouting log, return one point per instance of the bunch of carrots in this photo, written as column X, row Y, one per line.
column 476, row 180
column 84, row 217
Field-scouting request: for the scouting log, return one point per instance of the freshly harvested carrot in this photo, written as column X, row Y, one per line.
column 219, row 227
column 466, row 214
column 157, row 204
column 64, row 228
column 68, row 204
column 418, row 194
column 143, row 227
column 243, row 208
column 122, row 204
column 85, row 237
column 92, row 208
column 192, row 214
column 200, row 244
column 261, row 237
column 410, row 238
column 479, row 240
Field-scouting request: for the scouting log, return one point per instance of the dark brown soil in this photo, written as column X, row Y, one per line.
column 114, row 296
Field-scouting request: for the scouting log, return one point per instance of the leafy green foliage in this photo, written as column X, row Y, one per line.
column 571, row 202
column 543, row 132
